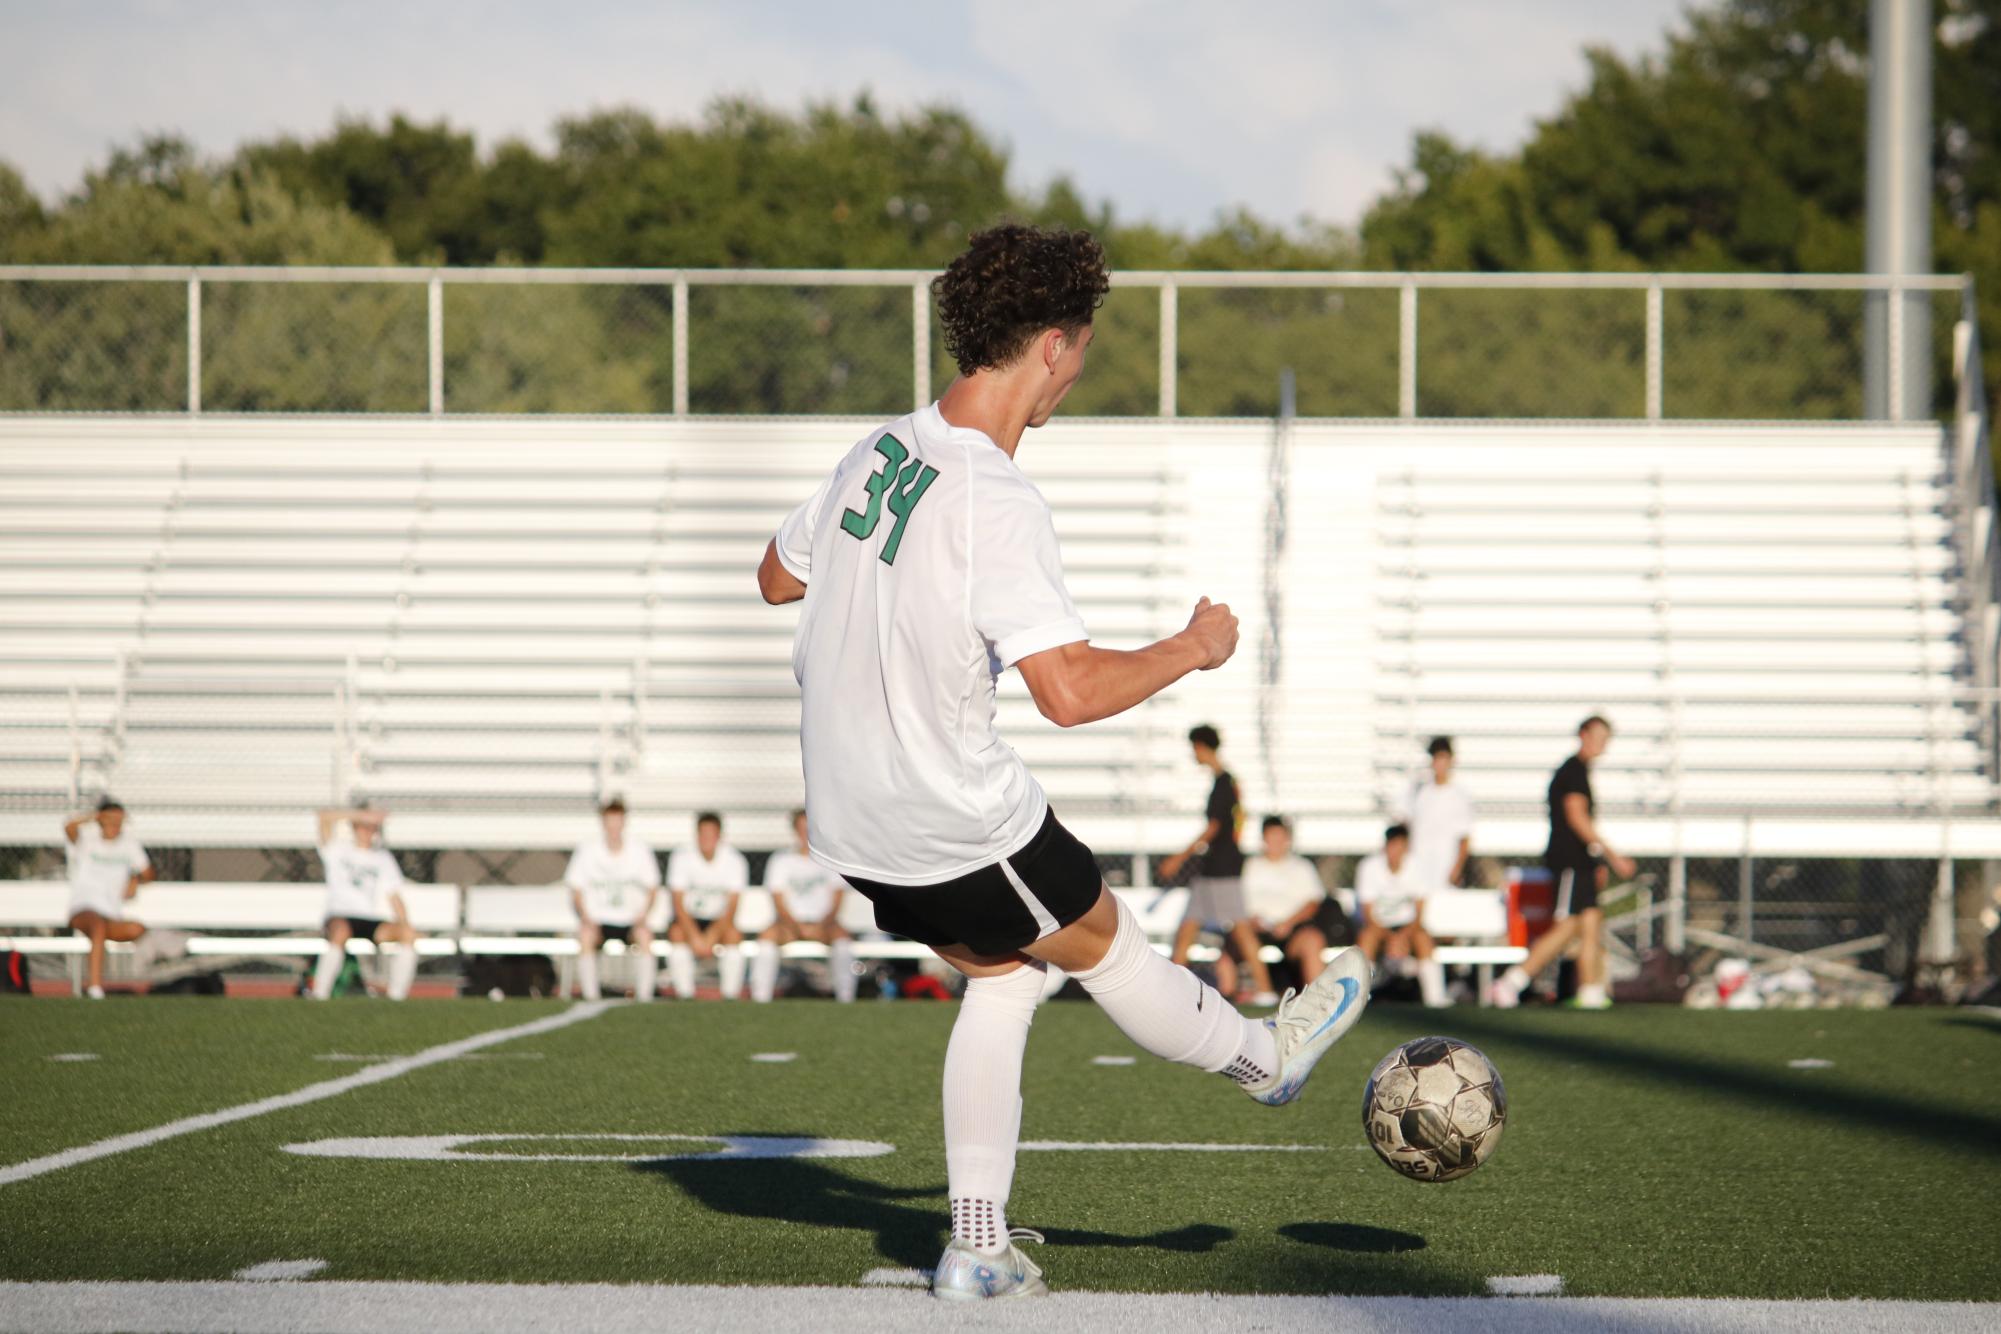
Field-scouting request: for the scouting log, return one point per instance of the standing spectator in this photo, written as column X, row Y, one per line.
column 806, row 897
column 364, row 898
column 106, row 868
column 1217, row 900
column 706, row 879
column 1286, row 903
column 1440, row 816
column 1389, row 899
column 614, row 880
column 1577, row 859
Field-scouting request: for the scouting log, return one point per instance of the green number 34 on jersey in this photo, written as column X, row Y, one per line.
column 902, row 484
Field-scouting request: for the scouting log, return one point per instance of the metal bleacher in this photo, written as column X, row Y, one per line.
column 484, row 624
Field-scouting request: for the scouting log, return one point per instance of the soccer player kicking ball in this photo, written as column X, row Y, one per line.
column 106, row 868
column 363, row 899
column 807, row 898
column 928, row 564
column 614, row 880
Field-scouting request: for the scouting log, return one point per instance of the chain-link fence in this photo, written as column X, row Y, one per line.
column 244, row 340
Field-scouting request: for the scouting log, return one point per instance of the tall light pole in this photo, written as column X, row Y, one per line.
column 1897, row 380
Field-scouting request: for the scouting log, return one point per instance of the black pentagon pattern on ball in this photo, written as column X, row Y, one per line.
column 1434, row 1109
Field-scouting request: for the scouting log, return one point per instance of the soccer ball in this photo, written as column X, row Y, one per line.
column 1434, row 1109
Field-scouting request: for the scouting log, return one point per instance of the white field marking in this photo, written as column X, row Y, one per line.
column 1070, row 1146
column 332, row 1088
column 897, row 1278
column 1111, row 1060
column 448, row 1148
column 1811, row 1063
column 69, row 1057
column 774, row 1057
column 343, row 1307
column 373, row 1058
column 279, row 1271
column 1526, row 1285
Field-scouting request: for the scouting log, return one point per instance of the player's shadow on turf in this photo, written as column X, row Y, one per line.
column 1353, row 1237
column 800, row 1190
column 1909, row 1117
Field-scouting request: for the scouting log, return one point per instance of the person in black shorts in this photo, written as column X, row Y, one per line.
column 1216, row 900
column 1287, row 905
column 1577, row 858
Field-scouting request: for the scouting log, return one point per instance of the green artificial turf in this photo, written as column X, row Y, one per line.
column 1650, row 1151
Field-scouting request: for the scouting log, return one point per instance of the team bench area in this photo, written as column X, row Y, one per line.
column 218, row 923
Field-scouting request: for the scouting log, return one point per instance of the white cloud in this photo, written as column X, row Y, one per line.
column 1173, row 110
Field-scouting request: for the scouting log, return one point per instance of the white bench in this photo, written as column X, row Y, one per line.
column 215, row 917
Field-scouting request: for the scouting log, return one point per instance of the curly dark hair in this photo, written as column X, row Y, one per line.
column 1013, row 282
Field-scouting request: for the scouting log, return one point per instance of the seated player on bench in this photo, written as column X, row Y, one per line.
column 1389, row 899
column 613, row 881
column 806, row 897
column 1287, row 904
column 364, row 898
column 706, row 879
column 106, row 868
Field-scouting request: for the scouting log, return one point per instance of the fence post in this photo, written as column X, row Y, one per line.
column 1677, row 920
column 435, row 340
column 194, row 341
column 920, row 342
column 680, row 345
column 1745, row 877
column 1407, row 351
column 1170, row 346
column 1896, row 413
column 1654, row 302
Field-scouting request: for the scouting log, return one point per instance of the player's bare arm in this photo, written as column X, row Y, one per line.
column 1081, row 683
column 138, row 878
column 1577, row 811
column 778, row 584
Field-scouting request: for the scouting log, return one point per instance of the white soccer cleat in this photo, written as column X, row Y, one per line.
column 95, row 993
column 1502, row 996
column 1310, row 1022
column 965, row 1275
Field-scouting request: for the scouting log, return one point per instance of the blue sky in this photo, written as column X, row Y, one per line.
column 1173, row 110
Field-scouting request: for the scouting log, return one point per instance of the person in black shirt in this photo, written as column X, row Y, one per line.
column 1217, row 900
column 1577, row 859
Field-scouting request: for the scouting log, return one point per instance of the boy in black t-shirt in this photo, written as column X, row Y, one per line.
column 1577, row 859
column 1217, row 899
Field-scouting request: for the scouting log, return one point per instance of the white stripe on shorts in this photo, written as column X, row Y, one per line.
column 1563, row 892
column 1044, row 923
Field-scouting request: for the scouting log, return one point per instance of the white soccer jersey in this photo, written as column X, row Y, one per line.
column 100, row 868
column 706, row 884
column 1275, row 890
column 614, row 884
column 360, row 881
column 1394, row 896
column 808, row 887
column 931, row 566
column 1438, row 817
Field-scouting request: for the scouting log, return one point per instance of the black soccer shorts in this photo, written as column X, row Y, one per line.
column 1576, row 884
column 997, row 909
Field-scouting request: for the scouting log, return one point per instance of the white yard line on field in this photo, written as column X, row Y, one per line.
column 332, row 1088
column 492, row 1308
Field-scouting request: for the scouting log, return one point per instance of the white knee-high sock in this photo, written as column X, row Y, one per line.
column 729, row 970
column 841, row 959
column 1053, row 982
column 402, row 971
column 587, row 975
column 327, row 971
column 1174, row 1014
column 1431, row 982
column 681, row 968
column 764, row 971
column 983, row 1101
column 645, row 973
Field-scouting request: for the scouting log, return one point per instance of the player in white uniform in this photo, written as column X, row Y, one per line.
column 1389, row 899
column 614, row 880
column 1285, row 901
column 106, row 868
column 928, row 565
column 364, row 898
column 1440, row 816
column 706, row 879
column 806, row 897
